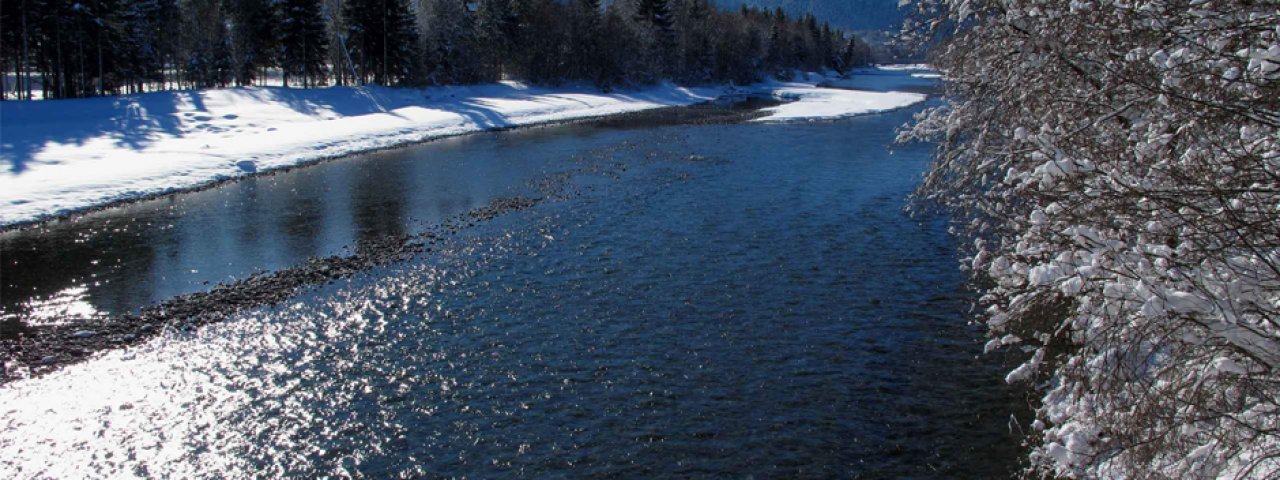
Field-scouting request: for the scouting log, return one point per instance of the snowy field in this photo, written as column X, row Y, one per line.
column 67, row 155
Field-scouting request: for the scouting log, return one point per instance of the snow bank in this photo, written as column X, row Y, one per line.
column 867, row 90
column 808, row 103
column 66, row 155
column 903, row 66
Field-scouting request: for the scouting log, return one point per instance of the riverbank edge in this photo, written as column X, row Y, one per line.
column 33, row 351
column 675, row 96
column 71, row 215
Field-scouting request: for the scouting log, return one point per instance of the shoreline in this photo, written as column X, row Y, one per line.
column 33, row 351
column 71, row 215
column 119, row 152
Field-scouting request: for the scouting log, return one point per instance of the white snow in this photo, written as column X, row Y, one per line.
column 868, row 90
column 65, row 155
column 809, row 103
column 903, row 66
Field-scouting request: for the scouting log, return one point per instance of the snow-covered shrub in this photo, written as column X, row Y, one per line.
column 1116, row 165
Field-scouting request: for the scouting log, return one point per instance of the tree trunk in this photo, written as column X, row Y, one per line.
column 62, row 75
column 383, row 81
column 99, row 42
column 26, row 71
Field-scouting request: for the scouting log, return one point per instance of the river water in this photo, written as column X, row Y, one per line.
column 712, row 300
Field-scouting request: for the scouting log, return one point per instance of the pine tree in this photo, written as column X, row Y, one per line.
column 693, row 41
column 208, row 51
column 384, row 38
column 778, row 48
column 491, row 34
column 253, row 35
column 304, row 43
column 856, row 53
column 808, row 49
column 585, row 49
column 654, row 12
column 449, row 42
column 95, row 42
column 653, row 22
column 98, row 47
column 540, row 40
column 167, row 27
column 141, row 60
column 828, row 48
column 622, row 51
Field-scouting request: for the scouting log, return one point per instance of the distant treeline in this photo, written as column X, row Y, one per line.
column 64, row 49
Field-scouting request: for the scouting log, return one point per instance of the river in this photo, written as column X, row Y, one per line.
column 706, row 299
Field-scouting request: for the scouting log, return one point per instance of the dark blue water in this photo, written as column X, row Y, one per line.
column 739, row 300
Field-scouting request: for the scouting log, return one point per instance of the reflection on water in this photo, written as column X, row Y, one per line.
column 126, row 258
column 123, row 259
column 748, row 300
column 62, row 307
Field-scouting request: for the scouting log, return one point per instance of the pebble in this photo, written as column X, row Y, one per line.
column 188, row 312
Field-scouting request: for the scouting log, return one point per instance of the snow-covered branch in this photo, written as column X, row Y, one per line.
column 1117, row 165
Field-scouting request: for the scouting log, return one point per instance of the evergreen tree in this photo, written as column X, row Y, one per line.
column 621, row 46
column 492, row 27
column 95, row 38
column 14, row 36
column 654, row 18
column 654, row 12
column 693, row 41
column 828, row 48
column 209, row 63
column 856, row 53
column 586, row 44
column 140, row 61
column 168, row 34
column 304, row 43
column 98, row 47
column 336, row 32
column 521, row 35
column 776, row 58
column 449, row 42
column 253, row 38
column 383, row 37
column 540, row 40
column 808, row 47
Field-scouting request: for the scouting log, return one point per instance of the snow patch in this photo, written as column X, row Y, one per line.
column 809, row 103
column 66, row 155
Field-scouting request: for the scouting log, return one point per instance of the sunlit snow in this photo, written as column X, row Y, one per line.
column 67, row 155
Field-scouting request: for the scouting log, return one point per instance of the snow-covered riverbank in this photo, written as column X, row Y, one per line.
column 67, row 155
column 808, row 103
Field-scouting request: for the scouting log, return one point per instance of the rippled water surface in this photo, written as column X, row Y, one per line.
column 727, row 300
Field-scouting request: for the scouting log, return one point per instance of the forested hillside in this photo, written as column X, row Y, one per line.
column 850, row 14
column 61, row 49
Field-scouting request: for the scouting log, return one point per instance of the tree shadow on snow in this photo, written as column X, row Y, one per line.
column 136, row 121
